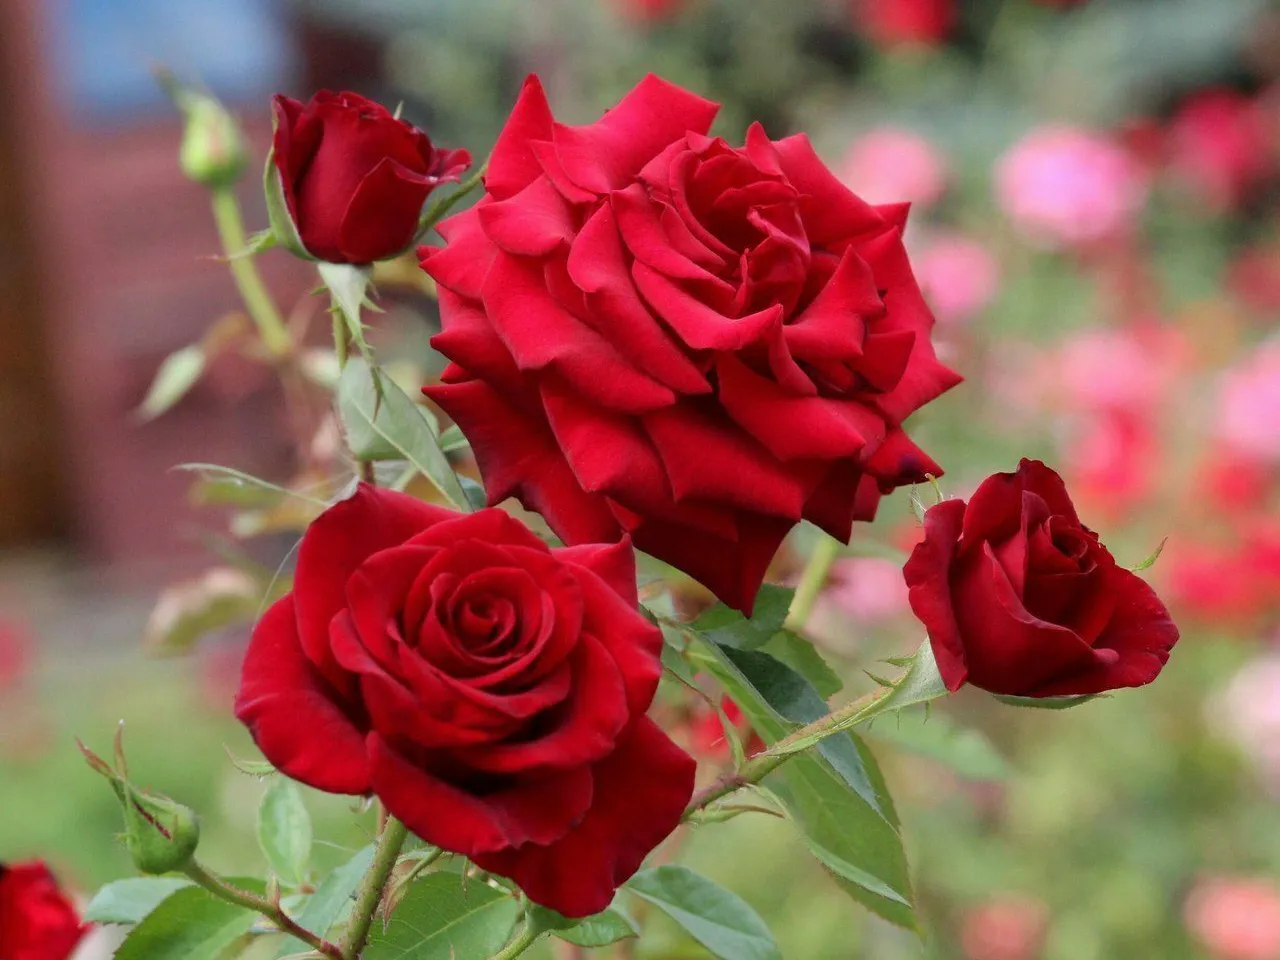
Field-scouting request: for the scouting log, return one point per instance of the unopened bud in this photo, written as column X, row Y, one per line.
column 160, row 834
column 213, row 151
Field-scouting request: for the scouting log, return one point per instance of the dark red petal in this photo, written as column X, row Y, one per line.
column 700, row 326
column 830, row 210
column 533, row 223
column 632, row 641
column 512, row 165
column 462, row 265
column 295, row 717
column 543, row 335
column 832, row 326
column 928, row 572
column 614, row 563
column 382, row 217
column 469, row 340
column 519, row 458
column 582, row 730
column 640, row 795
column 1141, row 632
column 521, row 811
column 335, row 545
column 1046, row 483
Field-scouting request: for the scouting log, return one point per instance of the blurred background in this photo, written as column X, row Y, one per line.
column 1094, row 188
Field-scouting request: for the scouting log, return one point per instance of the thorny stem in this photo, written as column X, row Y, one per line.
column 226, row 213
column 272, row 911
column 392, row 838
column 517, row 946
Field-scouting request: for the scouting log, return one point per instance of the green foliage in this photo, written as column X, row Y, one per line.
column 381, row 421
column 721, row 921
column 932, row 734
column 190, row 924
column 600, row 930
column 325, row 907
column 439, row 919
column 178, row 373
column 728, row 627
column 284, row 831
column 130, row 901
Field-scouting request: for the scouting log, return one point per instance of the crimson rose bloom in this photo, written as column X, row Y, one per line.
column 489, row 690
column 657, row 333
column 37, row 921
column 1020, row 598
column 354, row 176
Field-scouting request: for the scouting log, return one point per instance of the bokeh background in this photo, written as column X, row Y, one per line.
column 1094, row 188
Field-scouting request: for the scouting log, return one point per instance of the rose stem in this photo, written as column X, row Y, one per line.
column 272, row 911
column 517, row 946
column 812, row 580
column 226, row 213
column 392, row 838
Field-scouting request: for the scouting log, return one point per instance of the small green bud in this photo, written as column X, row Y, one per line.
column 213, row 151
column 160, row 835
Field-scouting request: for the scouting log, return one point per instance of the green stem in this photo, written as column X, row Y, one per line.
column 390, row 841
column 251, row 901
column 517, row 946
column 812, row 580
column 226, row 214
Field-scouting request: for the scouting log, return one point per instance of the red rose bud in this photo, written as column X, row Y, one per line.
column 656, row 333
column 353, row 178
column 160, row 835
column 37, row 920
column 489, row 690
column 1020, row 598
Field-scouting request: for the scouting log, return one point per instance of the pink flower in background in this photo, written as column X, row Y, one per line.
column 1063, row 186
column 1213, row 582
column 1221, row 145
column 1005, row 928
column 650, row 10
column 1236, row 918
column 1115, row 368
column 893, row 23
column 1248, row 401
column 868, row 589
column 1254, row 278
column 959, row 277
column 1231, row 482
column 15, row 659
column 1113, row 461
column 893, row 165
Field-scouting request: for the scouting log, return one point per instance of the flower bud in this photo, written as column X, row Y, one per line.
column 160, row 835
column 213, row 151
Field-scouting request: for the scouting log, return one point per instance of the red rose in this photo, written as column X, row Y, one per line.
column 37, row 921
column 894, row 22
column 489, row 690
column 657, row 333
column 1020, row 598
column 354, row 176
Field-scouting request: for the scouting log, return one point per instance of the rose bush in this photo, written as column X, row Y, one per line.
column 37, row 921
column 1020, row 598
column 489, row 690
column 656, row 333
column 354, row 176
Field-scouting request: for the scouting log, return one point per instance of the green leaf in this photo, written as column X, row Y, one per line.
column 284, row 831
column 936, row 736
column 847, row 871
column 395, row 421
column 452, row 439
column 129, row 901
column 190, row 925
column 721, row 921
column 228, row 478
column 324, row 907
column 178, row 373
column 833, row 814
column 348, row 284
column 1047, row 703
column 438, row 920
column 187, row 611
column 730, row 628
column 1150, row 561
column 600, row 930
column 805, row 659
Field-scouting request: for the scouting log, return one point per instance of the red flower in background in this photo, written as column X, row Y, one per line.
column 1221, row 144
column 897, row 22
column 656, row 333
column 354, row 176
column 1019, row 597
column 37, row 921
column 14, row 657
column 651, row 10
column 491, row 691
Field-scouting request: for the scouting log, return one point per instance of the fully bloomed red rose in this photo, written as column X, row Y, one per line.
column 354, row 176
column 489, row 690
column 1020, row 598
column 37, row 921
column 655, row 332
